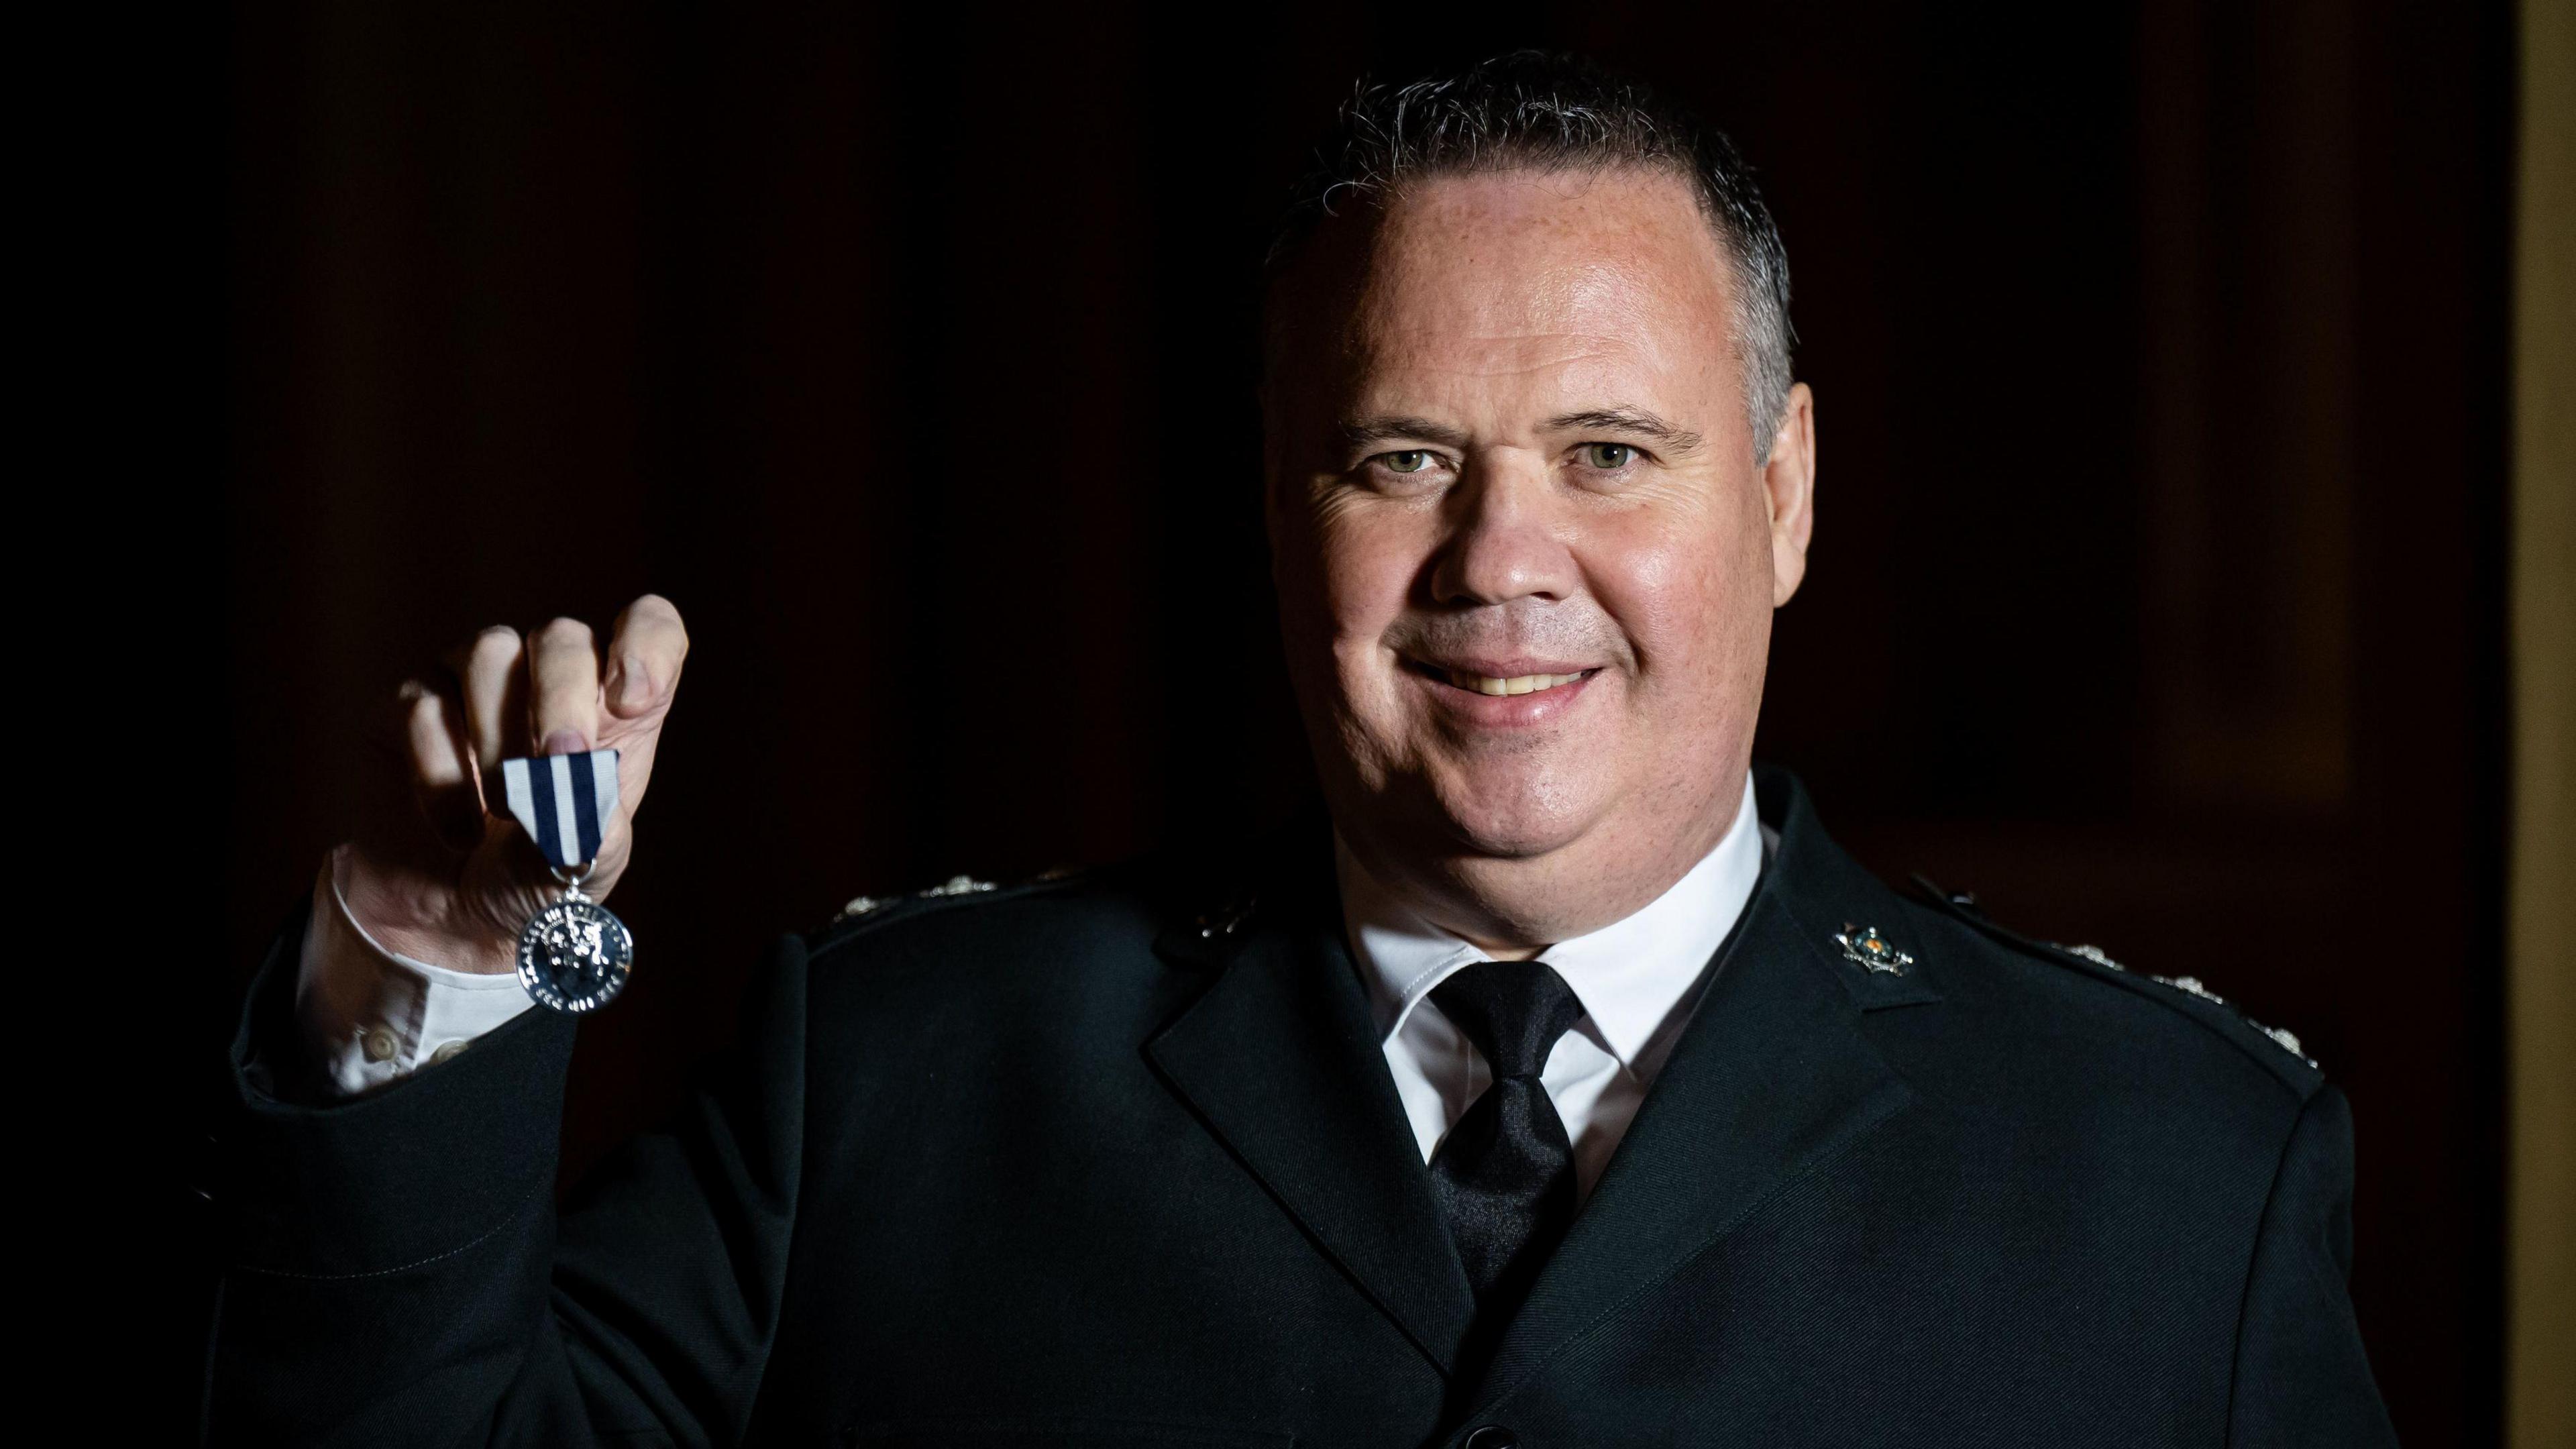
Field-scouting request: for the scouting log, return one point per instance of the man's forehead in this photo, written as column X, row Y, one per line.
column 1536, row 278
column 1461, row 372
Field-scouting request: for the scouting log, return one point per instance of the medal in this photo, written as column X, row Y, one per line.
column 573, row 954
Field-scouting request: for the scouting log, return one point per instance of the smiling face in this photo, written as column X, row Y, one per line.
column 1525, row 551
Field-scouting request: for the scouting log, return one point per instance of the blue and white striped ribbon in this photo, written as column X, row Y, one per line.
column 563, row 801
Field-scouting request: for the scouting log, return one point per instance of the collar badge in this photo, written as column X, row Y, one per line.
column 1863, row 946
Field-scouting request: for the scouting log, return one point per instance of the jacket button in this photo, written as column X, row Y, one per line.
column 1492, row 1436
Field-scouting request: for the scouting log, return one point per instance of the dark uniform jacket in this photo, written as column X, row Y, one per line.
column 1092, row 1164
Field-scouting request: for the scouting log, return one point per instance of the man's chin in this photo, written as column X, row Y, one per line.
column 1528, row 826
column 1447, row 813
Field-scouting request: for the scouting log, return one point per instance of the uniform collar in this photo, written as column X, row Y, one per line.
column 1772, row 1074
column 1629, row 975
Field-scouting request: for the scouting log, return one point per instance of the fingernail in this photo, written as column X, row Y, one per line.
column 634, row 685
column 565, row 742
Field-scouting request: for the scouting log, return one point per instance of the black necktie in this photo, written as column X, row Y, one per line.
column 1505, row 1173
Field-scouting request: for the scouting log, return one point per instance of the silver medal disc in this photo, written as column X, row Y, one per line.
column 574, row 955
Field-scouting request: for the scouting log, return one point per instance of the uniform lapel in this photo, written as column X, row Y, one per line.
column 1771, row 1079
column 1280, row 1059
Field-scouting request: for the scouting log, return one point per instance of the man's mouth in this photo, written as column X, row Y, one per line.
column 1499, row 684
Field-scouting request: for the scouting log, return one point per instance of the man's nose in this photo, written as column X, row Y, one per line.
column 1505, row 540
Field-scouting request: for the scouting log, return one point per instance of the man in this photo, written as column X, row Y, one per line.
column 1569, row 1087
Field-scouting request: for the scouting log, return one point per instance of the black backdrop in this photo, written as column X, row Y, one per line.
column 2158, row 350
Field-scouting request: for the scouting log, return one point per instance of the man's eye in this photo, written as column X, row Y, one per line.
column 1412, row 460
column 1608, row 457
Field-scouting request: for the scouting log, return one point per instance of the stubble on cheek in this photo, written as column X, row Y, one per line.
column 1696, row 623
column 1379, row 728
column 1700, row 734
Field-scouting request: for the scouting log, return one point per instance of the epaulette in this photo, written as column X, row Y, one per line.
column 2185, row 993
column 864, row 913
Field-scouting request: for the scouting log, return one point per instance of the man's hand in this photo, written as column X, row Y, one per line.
column 452, row 882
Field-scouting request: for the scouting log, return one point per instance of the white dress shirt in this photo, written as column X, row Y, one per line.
column 370, row 1015
column 1638, row 979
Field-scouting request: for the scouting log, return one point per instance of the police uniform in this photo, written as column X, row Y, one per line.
column 1116, row 1161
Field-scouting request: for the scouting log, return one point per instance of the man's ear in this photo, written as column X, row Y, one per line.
column 1789, row 482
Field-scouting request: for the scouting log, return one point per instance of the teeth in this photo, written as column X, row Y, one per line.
column 1517, row 684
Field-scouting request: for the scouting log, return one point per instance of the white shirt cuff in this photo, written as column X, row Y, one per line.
column 370, row 1016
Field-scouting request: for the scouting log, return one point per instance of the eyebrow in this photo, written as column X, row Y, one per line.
column 1365, row 432
column 1370, row 431
column 1625, row 420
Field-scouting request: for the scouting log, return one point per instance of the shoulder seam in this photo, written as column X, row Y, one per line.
column 2296, row 1074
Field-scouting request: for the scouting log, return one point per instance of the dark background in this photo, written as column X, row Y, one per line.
column 2158, row 349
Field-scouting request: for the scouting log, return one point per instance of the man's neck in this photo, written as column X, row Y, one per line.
column 1514, row 908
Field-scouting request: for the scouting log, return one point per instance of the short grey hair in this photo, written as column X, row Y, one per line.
column 1536, row 110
